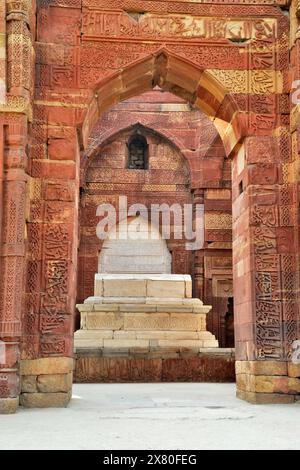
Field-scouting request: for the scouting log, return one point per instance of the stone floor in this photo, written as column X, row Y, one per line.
column 154, row 416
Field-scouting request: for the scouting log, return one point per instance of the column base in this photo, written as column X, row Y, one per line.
column 263, row 382
column 45, row 400
column 9, row 405
column 265, row 398
column 46, row 382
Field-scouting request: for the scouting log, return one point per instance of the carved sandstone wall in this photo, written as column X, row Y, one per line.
column 235, row 61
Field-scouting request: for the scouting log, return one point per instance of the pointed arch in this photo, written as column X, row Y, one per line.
column 112, row 133
column 176, row 75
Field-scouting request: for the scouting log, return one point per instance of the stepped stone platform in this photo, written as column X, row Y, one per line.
column 143, row 313
column 147, row 327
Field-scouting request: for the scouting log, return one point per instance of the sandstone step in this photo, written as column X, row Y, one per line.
column 169, row 321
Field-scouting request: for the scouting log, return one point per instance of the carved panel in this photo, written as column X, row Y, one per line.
column 55, row 297
column 115, row 24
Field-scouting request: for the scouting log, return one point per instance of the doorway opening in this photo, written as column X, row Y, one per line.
column 154, row 149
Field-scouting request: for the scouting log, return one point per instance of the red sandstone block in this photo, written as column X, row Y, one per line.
column 194, row 160
column 227, row 108
column 59, row 190
column 218, row 235
column 9, row 384
column 263, row 149
column 11, row 356
column 109, row 369
column 52, row 169
column 209, row 99
column 62, row 232
column 61, row 116
column 244, row 350
column 285, row 240
column 266, row 195
column 186, row 136
column 154, row 96
column 63, row 25
column 244, row 313
column 56, row 324
column 240, row 212
column 240, row 185
column 207, row 177
column 264, row 174
column 61, row 132
column 263, row 104
column 38, row 152
column 61, row 149
column 56, row 345
column 262, row 124
column 30, row 345
column 242, row 221
column 223, row 205
column 193, row 369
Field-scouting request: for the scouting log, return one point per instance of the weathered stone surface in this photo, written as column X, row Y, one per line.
column 293, row 370
column 54, row 383
column 47, row 365
column 154, row 369
column 163, row 321
column 145, row 307
column 90, row 336
column 261, row 367
column 242, row 367
column 95, row 369
column 202, row 369
column 29, row 384
column 268, row 384
column 268, row 368
column 188, row 289
column 166, row 289
column 45, row 400
column 210, row 343
column 125, row 343
column 265, row 398
column 100, row 320
column 119, row 288
column 167, row 335
column 8, row 405
column 273, row 384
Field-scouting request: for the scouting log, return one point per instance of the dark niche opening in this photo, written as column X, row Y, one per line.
column 137, row 153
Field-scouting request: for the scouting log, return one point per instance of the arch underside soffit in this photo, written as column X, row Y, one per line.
column 176, row 75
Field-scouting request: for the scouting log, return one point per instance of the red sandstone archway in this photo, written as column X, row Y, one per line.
column 251, row 221
column 265, row 192
column 181, row 77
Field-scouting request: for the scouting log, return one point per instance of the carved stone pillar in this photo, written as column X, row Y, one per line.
column 265, row 278
column 14, row 114
column 293, row 170
column 12, row 258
